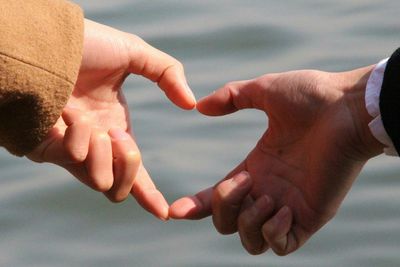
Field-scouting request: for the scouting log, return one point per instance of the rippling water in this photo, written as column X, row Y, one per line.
column 49, row 219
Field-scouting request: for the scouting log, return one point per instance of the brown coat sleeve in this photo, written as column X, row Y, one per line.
column 40, row 54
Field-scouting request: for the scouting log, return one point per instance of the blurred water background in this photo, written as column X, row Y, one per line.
column 49, row 219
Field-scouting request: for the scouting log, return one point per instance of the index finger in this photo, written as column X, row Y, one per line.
column 148, row 196
column 163, row 69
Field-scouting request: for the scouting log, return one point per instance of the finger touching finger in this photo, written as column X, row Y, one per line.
column 231, row 98
column 163, row 69
column 193, row 207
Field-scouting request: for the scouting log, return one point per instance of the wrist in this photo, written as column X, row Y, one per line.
column 355, row 83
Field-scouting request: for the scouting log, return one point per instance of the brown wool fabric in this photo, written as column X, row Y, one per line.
column 40, row 54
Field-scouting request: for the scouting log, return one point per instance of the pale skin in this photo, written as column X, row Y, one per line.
column 296, row 177
column 93, row 138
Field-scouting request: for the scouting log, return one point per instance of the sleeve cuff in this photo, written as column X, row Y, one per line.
column 372, row 94
column 40, row 55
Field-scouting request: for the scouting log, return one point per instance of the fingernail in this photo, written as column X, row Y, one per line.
column 281, row 243
column 190, row 92
column 118, row 134
column 165, row 214
column 280, row 216
column 277, row 219
column 164, row 219
column 241, row 178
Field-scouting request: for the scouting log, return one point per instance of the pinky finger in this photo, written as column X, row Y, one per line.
column 250, row 224
column 77, row 135
column 99, row 162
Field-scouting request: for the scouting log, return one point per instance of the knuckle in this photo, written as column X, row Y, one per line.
column 83, row 119
column 229, row 86
column 135, row 43
column 266, row 79
column 254, row 251
column 135, row 38
column 132, row 157
column 178, row 64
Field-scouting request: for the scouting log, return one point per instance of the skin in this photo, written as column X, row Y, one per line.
column 297, row 175
column 93, row 138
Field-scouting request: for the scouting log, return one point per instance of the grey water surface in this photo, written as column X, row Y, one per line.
column 47, row 218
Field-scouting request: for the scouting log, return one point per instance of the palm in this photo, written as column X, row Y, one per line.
column 104, row 67
column 303, row 160
column 93, row 139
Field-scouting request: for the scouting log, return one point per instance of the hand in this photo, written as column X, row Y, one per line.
column 93, row 138
column 296, row 177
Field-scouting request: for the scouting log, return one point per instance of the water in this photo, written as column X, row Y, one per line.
column 49, row 219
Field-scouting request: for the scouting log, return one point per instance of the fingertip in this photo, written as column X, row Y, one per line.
column 154, row 202
column 184, row 99
column 192, row 99
column 160, row 210
column 184, row 208
column 217, row 103
column 176, row 88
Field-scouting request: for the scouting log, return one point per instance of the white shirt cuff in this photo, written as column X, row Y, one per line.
column 372, row 93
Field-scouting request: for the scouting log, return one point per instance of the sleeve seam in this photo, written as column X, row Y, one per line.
column 60, row 76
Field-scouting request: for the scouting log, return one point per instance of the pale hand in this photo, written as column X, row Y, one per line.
column 296, row 177
column 93, row 138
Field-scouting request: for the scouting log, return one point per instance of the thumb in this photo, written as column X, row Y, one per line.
column 233, row 97
column 163, row 69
